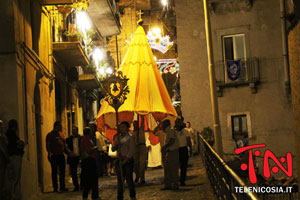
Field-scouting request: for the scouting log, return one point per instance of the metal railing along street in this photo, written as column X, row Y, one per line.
column 222, row 178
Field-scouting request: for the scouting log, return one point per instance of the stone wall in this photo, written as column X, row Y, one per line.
column 294, row 59
column 21, row 56
column 129, row 25
column 269, row 110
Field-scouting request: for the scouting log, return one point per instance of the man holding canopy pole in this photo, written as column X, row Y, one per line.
column 125, row 145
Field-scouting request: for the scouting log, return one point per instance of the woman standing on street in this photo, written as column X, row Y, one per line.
column 15, row 150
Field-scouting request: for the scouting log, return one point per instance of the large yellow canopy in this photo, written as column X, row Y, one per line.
column 148, row 93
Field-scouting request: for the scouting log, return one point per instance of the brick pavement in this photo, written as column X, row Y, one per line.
column 198, row 187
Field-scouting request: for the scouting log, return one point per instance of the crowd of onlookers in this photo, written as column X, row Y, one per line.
column 90, row 153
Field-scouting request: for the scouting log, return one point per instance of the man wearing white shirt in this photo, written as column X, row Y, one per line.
column 101, row 152
column 73, row 143
column 101, row 147
column 192, row 134
column 184, row 141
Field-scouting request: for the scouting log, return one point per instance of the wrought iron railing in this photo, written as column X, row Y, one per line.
column 249, row 72
column 222, row 178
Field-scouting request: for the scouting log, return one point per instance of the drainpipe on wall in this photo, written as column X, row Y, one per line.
column 285, row 48
column 24, row 81
column 212, row 81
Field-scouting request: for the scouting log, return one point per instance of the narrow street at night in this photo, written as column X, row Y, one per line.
column 149, row 99
column 197, row 187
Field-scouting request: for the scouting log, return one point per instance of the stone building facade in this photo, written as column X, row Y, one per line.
column 294, row 60
column 258, row 102
column 27, row 70
column 44, row 78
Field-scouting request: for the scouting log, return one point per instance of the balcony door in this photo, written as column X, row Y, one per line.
column 234, row 52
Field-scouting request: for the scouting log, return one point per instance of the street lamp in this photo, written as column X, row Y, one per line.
column 97, row 56
column 83, row 21
column 101, row 71
column 156, row 31
column 164, row 2
column 109, row 70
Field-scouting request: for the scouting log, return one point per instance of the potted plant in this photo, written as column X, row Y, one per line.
column 208, row 134
column 91, row 69
column 73, row 36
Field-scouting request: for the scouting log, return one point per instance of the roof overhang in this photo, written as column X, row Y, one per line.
column 70, row 54
column 103, row 17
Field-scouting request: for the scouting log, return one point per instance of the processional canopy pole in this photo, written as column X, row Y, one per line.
column 116, row 89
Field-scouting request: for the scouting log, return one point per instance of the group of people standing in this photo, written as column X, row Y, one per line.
column 90, row 150
column 87, row 149
column 175, row 147
column 11, row 153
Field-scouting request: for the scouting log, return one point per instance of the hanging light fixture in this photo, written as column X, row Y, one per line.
column 156, row 31
column 101, row 71
column 97, row 56
column 164, row 2
column 83, row 21
column 109, row 70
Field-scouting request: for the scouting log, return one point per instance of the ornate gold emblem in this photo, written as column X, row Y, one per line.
column 116, row 89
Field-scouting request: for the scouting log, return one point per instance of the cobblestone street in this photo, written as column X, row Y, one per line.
column 198, row 186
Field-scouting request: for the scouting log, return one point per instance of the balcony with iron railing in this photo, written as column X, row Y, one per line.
column 249, row 75
column 75, row 45
column 69, row 38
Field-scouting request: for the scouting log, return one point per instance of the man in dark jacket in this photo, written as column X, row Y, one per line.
column 56, row 147
column 73, row 143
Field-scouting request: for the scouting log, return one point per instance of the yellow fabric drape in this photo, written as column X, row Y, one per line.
column 148, row 93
